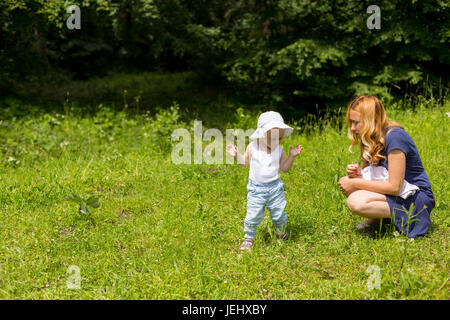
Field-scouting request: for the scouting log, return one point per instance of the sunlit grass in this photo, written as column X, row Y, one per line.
column 165, row 231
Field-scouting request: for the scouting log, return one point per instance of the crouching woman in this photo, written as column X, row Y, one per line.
column 385, row 143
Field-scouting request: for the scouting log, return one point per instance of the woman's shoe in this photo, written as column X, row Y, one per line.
column 367, row 224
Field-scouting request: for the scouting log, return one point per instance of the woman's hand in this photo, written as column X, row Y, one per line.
column 353, row 170
column 347, row 185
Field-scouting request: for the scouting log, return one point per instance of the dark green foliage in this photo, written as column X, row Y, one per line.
column 289, row 54
column 322, row 51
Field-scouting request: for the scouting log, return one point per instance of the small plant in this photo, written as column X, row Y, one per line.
column 84, row 204
column 410, row 217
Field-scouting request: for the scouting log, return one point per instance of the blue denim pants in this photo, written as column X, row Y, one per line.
column 260, row 196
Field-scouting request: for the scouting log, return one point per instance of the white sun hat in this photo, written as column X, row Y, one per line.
column 269, row 120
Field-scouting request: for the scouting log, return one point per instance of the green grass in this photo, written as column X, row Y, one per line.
column 165, row 231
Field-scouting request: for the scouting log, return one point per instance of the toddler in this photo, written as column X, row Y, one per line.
column 265, row 188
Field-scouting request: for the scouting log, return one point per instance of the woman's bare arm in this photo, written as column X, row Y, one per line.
column 397, row 167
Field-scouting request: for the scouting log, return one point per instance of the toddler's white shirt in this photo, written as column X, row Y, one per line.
column 379, row 173
column 264, row 167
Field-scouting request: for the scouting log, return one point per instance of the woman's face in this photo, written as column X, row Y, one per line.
column 355, row 122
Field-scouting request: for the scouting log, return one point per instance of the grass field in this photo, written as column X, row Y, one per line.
column 166, row 231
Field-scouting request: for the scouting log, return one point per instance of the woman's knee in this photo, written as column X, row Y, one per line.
column 354, row 204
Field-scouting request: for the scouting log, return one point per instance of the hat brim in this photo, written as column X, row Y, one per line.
column 259, row 133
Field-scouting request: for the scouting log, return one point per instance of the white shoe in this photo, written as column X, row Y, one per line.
column 365, row 225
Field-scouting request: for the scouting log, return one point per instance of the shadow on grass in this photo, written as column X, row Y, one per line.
column 375, row 232
column 388, row 228
column 296, row 230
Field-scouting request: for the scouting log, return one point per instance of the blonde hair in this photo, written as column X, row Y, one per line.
column 374, row 123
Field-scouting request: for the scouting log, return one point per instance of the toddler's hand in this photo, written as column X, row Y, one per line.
column 232, row 150
column 296, row 151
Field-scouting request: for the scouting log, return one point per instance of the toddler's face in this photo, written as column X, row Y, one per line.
column 273, row 137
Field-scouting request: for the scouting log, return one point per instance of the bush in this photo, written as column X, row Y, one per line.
column 299, row 53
